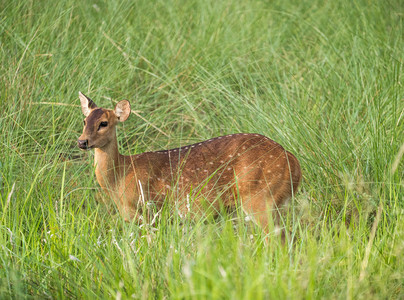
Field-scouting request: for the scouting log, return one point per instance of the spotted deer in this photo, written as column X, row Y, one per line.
column 244, row 168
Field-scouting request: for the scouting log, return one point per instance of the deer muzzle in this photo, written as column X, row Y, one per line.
column 83, row 144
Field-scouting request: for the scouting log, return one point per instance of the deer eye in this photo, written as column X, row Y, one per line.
column 103, row 124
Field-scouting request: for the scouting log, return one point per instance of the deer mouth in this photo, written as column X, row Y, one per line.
column 85, row 147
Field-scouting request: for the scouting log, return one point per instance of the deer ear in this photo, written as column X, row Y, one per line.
column 87, row 105
column 122, row 110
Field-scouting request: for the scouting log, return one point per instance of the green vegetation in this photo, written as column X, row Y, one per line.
column 322, row 78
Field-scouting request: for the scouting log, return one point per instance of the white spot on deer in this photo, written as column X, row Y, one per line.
column 219, row 137
column 211, row 163
column 243, row 147
column 228, row 169
column 271, row 156
column 222, row 161
column 238, row 154
column 245, row 133
column 186, row 148
column 230, row 155
column 269, row 171
column 206, row 171
column 167, row 186
column 278, row 165
column 197, row 169
column 199, row 144
column 193, row 146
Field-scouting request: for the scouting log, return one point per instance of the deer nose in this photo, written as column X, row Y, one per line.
column 83, row 144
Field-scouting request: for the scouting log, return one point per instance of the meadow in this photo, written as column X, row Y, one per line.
column 322, row 78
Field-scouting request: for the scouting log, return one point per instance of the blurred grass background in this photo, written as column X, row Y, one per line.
column 324, row 79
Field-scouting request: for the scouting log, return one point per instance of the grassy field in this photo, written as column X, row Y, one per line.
column 322, row 78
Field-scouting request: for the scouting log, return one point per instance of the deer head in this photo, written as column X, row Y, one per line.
column 99, row 123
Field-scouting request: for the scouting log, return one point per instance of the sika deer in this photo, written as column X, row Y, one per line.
column 219, row 171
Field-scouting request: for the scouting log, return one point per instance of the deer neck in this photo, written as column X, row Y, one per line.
column 107, row 162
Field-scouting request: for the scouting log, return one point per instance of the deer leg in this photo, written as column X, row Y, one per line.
column 261, row 209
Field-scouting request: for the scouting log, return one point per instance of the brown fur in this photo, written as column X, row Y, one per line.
column 249, row 167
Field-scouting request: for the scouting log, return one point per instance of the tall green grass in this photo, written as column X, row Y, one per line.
column 324, row 79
